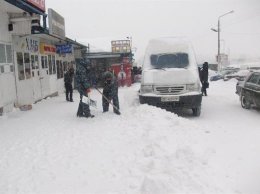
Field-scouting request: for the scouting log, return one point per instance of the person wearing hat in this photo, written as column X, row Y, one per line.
column 110, row 92
column 204, row 78
column 83, row 86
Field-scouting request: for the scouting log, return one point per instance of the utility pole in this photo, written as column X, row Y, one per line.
column 218, row 31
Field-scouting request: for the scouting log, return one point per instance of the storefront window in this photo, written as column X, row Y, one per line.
column 12, row 68
column 2, row 54
column 45, row 62
column 36, row 62
column 42, row 61
column 32, row 62
column 9, row 54
column 65, row 68
column 53, row 64
column 59, row 69
column 20, row 66
column 6, row 53
column 27, row 65
column 50, row 64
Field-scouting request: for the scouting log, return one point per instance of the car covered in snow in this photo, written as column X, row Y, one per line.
column 170, row 76
column 216, row 77
column 249, row 91
column 240, row 75
column 223, row 74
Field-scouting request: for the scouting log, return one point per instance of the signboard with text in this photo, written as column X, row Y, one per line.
column 47, row 49
column 56, row 23
column 121, row 46
column 40, row 4
column 28, row 44
column 63, row 49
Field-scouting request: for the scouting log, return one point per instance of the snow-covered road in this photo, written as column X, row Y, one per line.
column 146, row 150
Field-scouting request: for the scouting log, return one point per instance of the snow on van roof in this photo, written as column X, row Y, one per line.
column 168, row 44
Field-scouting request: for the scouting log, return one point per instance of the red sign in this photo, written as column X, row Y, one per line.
column 40, row 4
column 123, row 73
column 45, row 48
column 50, row 49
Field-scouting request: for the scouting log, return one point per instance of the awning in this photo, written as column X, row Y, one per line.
column 59, row 40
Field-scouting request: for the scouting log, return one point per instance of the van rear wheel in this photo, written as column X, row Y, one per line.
column 196, row 111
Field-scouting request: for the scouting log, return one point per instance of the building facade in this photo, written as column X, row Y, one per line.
column 33, row 59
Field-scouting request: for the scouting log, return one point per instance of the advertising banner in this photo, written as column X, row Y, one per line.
column 63, row 49
column 120, row 46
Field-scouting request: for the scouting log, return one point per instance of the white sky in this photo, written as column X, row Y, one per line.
column 98, row 22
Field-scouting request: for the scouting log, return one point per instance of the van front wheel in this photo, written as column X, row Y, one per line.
column 141, row 100
column 196, row 111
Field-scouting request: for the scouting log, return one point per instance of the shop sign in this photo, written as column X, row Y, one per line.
column 56, row 23
column 29, row 45
column 63, row 49
column 46, row 49
column 40, row 4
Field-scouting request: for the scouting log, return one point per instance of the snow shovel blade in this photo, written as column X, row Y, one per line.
column 92, row 103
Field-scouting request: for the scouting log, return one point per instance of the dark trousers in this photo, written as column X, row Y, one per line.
column 69, row 91
column 204, row 88
column 115, row 102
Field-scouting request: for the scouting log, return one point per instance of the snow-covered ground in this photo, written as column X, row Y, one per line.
column 146, row 150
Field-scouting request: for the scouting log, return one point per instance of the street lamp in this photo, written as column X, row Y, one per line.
column 218, row 31
column 130, row 38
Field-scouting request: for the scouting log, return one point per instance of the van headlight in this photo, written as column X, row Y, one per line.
column 193, row 87
column 146, row 89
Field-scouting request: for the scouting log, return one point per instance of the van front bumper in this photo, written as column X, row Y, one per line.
column 189, row 101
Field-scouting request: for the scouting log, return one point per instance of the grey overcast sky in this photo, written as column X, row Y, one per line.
column 98, row 22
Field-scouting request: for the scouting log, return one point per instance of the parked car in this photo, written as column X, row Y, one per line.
column 240, row 75
column 216, row 77
column 249, row 91
column 223, row 74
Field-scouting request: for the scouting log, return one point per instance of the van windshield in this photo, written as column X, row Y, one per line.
column 173, row 60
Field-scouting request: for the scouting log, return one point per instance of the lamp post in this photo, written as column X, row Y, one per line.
column 218, row 31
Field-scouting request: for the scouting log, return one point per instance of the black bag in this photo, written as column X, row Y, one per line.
column 83, row 110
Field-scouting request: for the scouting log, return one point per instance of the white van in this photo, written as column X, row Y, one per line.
column 170, row 76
